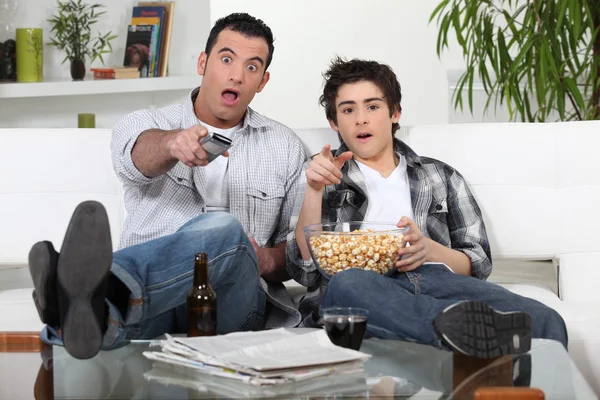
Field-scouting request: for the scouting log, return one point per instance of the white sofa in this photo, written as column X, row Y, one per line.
column 537, row 184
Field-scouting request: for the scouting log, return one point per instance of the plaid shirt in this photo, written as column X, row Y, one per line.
column 265, row 166
column 443, row 207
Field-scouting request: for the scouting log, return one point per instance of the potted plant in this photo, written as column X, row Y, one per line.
column 71, row 30
column 541, row 57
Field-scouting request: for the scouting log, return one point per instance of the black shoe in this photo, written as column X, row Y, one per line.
column 475, row 329
column 522, row 370
column 83, row 271
column 43, row 260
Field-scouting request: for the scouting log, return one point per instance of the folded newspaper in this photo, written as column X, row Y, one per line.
column 273, row 357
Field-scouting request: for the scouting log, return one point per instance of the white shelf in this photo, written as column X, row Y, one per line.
column 96, row 87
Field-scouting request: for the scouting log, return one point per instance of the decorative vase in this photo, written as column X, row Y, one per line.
column 8, row 65
column 86, row 120
column 77, row 70
column 30, row 55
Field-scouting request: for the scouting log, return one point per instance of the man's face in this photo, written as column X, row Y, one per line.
column 363, row 120
column 232, row 74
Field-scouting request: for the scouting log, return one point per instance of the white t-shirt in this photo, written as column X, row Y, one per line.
column 217, row 181
column 389, row 198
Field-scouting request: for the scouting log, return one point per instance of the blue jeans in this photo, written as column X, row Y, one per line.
column 404, row 305
column 159, row 275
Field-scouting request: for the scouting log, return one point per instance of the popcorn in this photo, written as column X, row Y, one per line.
column 338, row 252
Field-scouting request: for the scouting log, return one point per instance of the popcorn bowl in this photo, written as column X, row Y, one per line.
column 338, row 246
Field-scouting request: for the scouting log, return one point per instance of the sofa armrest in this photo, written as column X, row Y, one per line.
column 579, row 277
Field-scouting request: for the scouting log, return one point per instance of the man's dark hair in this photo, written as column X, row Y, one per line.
column 246, row 25
column 341, row 72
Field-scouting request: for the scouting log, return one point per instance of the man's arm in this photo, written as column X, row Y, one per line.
column 271, row 262
column 141, row 151
column 310, row 213
column 156, row 152
column 150, row 153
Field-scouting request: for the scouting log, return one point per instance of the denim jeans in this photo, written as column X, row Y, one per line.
column 159, row 275
column 403, row 305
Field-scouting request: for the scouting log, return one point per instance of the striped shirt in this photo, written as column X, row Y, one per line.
column 265, row 166
column 443, row 206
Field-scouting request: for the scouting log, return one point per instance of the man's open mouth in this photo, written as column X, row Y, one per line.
column 230, row 95
column 364, row 135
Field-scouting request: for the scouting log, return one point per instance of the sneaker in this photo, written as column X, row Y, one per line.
column 43, row 261
column 81, row 280
column 475, row 329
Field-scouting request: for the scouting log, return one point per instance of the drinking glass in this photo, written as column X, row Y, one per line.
column 346, row 326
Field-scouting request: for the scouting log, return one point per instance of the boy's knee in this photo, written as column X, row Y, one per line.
column 346, row 283
column 347, row 279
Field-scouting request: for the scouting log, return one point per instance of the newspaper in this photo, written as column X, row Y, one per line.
column 349, row 383
column 272, row 357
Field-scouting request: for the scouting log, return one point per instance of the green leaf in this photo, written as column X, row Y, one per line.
column 574, row 90
column 438, row 10
column 561, row 14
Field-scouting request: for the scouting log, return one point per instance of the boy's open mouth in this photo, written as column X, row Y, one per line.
column 364, row 135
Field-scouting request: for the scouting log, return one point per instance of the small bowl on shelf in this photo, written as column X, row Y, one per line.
column 338, row 246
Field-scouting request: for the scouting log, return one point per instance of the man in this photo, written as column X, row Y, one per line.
column 448, row 257
column 235, row 208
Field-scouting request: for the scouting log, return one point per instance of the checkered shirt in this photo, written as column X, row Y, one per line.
column 265, row 166
column 443, row 206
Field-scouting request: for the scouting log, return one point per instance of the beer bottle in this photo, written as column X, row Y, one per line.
column 201, row 301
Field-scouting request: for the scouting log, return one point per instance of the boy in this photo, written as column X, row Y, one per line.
column 376, row 177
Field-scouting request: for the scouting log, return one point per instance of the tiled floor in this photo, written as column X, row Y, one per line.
column 541, row 272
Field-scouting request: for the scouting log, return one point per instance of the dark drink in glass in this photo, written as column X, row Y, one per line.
column 346, row 326
column 201, row 301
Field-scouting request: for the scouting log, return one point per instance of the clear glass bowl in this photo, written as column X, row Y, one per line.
column 337, row 246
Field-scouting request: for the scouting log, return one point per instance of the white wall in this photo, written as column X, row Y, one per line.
column 190, row 30
column 192, row 21
column 308, row 34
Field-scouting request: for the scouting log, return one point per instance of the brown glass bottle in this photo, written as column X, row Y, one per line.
column 201, row 301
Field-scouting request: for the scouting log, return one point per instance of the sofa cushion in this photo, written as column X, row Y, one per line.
column 18, row 311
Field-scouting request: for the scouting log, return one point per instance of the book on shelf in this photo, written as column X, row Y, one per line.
column 151, row 16
column 116, row 73
column 159, row 15
column 138, row 48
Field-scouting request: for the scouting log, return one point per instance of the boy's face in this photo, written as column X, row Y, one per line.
column 232, row 75
column 363, row 120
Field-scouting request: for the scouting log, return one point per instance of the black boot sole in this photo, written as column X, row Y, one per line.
column 43, row 261
column 83, row 271
column 477, row 330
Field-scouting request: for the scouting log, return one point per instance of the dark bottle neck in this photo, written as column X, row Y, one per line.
column 200, row 273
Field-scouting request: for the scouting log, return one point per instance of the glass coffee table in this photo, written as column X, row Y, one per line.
column 396, row 370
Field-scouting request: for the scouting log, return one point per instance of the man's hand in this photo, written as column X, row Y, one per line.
column 419, row 250
column 265, row 261
column 325, row 169
column 185, row 146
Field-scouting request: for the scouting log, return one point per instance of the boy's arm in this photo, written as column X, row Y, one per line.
column 469, row 250
column 324, row 169
column 423, row 249
column 466, row 226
